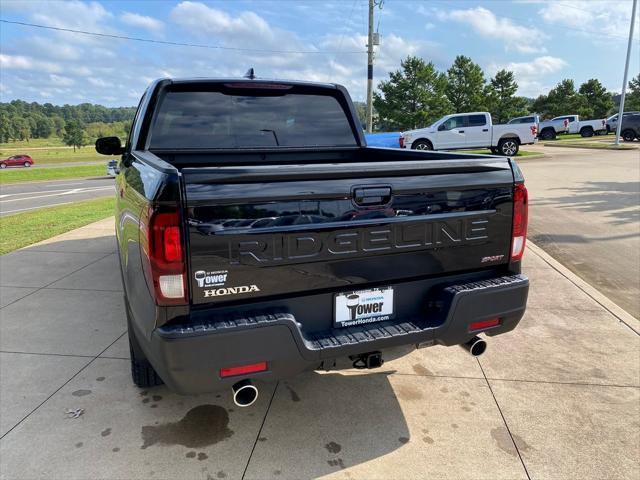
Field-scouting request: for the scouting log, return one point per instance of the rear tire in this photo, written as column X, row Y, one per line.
column 3, row 165
column 586, row 132
column 548, row 134
column 142, row 373
column 508, row 147
column 422, row 145
column 628, row 135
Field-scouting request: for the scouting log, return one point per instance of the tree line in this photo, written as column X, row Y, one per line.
column 418, row 94
column 20, row 120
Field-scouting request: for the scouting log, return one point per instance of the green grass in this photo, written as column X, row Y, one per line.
column 51, row 156
column 570, row 137
column 33, row 143
column 17, row 231
column 521, row 153
column 48, row 151
column 19, row 175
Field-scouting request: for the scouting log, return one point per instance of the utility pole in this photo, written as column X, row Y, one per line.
column 626, row 72
column 370, row 69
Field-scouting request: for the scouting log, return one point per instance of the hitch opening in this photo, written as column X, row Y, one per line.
column 367, row 360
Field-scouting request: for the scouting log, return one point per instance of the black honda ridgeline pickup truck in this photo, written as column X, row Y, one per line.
column 260, row 237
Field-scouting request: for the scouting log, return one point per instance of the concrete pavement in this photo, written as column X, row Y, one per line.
column 23, row 197
column 585, row 211
column 557, row 398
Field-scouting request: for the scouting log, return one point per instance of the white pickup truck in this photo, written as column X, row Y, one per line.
column 586, row 128
column 470, row 130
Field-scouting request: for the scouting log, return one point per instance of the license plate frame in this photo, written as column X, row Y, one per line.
column 362, row 307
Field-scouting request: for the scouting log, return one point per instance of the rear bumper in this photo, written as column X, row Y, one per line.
column 189, row 357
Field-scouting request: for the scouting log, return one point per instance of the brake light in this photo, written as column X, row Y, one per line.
column 534, row 130
column 243, row 369
column 258, row 86
column 401, row 141
column 163, row 254
column 484, row 324
column 520, row 219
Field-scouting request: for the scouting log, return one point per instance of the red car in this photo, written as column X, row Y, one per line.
column 17, row 161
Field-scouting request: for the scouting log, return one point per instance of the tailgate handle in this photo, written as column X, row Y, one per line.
column 368, row 196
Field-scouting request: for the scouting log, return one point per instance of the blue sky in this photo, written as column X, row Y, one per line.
column 542, row 42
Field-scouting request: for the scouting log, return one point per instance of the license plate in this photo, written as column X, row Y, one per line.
column 364, row 306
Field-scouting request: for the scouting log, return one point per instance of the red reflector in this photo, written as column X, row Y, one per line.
column 243, row 369
column 484, row 324
column 172, row 245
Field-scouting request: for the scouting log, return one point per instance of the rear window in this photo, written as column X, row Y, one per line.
column 477, row 120
column 523, row 120
column 211, row 119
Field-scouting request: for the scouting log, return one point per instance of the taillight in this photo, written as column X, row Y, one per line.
column 401, row 140
column 163, row 254
column 520, row 219
column 534, row 130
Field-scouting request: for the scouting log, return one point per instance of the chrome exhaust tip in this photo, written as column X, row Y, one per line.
column 245, row 393
column 476, row 346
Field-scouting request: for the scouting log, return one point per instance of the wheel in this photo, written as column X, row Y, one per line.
column 586, row 132
column 508, row 147
column 27, row 164
column 548, row 134
column 142, row 373
column 422, row 145
column 628, row 135
column 3, row 165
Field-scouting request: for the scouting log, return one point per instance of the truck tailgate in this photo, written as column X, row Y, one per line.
column 263, row 231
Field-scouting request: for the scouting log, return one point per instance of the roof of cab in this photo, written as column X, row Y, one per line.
column 193, row 80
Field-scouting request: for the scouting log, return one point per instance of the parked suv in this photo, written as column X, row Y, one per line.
column 630, row 127
column 17, row 161
column 612, row 121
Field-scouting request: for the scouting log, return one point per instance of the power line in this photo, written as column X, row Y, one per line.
column 178, row 44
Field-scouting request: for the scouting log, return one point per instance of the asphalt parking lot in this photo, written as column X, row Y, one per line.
column 585, row 212
column 557, row 398
column 23, row 197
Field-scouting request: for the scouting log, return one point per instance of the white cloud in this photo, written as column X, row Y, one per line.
column 97, row 82
column 538, row 66
column 529, row 74
column 245, row 30
column 21, row 62
column 588, row 18
column 484, row 22
column 141, row 21
column 60, row 80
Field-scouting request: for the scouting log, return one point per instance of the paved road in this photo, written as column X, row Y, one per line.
column 585, row 211
column 31, row 196
column 558, row 398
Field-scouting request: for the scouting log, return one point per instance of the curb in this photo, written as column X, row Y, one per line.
column 567, row 144
column 622, row 315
